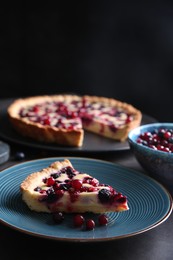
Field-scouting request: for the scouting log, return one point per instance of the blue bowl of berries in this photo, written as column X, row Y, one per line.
column 152, row 145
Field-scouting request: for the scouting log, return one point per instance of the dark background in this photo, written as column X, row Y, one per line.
column 116, row 49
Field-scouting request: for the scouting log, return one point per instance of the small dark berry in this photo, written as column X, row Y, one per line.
column 19, row 156
column 55, row 175
column 104, row 195
column 51, row 195
column 70, row 172
column 170, row 140
column 58, row 217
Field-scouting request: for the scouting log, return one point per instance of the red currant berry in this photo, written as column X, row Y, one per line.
column 167, row 135
column 59, row 193
column 103, row 220
column 76, row 184
column 90, row 224
column 46, row 121
column 94, row 182
column 78, row 220
column 50, row 181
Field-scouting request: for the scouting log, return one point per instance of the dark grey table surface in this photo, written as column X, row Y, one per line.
column 156, row 243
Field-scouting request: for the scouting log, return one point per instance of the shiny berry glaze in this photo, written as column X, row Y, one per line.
column 161, row 139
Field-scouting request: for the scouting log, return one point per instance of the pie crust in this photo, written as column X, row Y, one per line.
column 107, row 117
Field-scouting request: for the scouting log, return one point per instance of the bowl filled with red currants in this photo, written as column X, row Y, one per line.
column 152, row 145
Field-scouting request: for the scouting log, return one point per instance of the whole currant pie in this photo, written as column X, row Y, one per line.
column 62, row 119
column 62, row 188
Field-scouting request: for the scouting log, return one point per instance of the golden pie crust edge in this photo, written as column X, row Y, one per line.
column 49, row 134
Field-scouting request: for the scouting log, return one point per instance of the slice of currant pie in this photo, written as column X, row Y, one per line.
column 62, row 119
column 62, row 188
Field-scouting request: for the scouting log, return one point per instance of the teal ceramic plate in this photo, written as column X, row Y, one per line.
column 149, row 203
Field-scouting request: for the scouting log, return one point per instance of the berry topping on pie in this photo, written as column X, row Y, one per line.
column 62, row 119
column 62, row 188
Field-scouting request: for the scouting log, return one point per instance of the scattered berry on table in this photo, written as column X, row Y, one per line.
column 19, row 156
